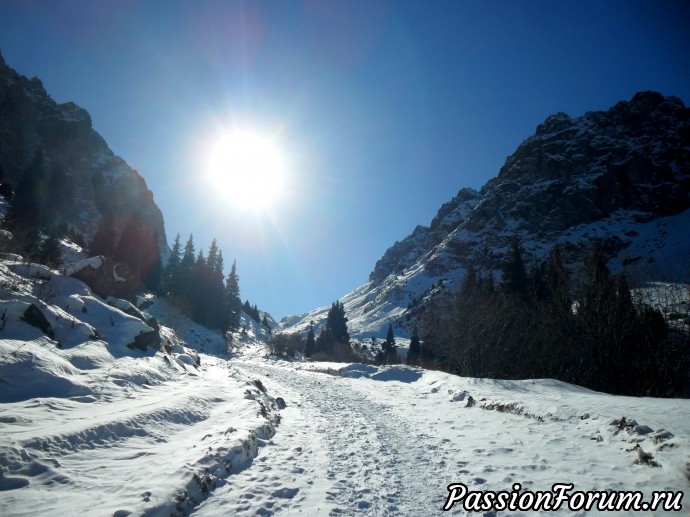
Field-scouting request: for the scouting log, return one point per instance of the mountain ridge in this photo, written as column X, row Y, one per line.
column 619, row 178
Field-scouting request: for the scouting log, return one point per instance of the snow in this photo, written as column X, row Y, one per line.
column 91, row 426
column 362, row 440
column 91, row 262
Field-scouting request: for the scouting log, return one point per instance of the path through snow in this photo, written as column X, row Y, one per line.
column 389, row 443
column 336, row 452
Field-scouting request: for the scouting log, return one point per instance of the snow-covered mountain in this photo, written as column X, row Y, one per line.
column 619, row 177
column 83, row 174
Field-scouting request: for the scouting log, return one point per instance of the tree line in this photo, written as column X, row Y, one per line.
column 331, row 344
column 194, row 282
column 542, row 323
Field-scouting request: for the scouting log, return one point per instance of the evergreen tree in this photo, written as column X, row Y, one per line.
column 414, row 354
column 197, row 294
column 49, row 252
column 323, row 342
column 389, row 352
column 215, row 260
column 186, row 271
column 265, row 323
column 334, row 338
column 310, row 346
column 514, row 273
column 215, row 291
column 232, row 297
column 336, row 323
column 556, row 281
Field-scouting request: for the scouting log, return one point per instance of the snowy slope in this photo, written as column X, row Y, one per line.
column 93, row 422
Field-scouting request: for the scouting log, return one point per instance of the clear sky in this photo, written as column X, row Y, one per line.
column 383, row 109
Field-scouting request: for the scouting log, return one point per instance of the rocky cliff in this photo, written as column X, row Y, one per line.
column 619, row 178
column 85, row 178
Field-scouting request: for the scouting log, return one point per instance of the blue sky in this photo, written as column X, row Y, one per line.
column 385, row 109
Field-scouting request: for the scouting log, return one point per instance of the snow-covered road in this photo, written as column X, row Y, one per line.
column 336, row 452
column 388, row 441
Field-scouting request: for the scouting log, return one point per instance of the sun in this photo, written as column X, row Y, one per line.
column 246, row 167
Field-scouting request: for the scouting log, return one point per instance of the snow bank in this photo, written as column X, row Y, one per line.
column 31, row 369
column 399, row 373
column 91, row 262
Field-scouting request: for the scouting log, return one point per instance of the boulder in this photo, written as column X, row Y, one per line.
column 147, row 339
column 34, row 317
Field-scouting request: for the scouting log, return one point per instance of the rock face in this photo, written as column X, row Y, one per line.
column 619, row 178
column 85, row 178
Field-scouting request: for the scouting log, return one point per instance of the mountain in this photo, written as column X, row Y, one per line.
column 84, row 178
column 619, row 178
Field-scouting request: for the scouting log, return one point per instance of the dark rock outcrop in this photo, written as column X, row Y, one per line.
column 625, row 166
column 109, row 279
column 147, row 340
column 34, row 317
column 85, row 178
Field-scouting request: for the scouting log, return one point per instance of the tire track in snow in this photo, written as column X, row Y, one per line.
column 360, row 458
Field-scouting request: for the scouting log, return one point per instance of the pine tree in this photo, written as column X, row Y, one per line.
column 514, row 273
column 310, row 346
column 185, row 274
column 389, row 352
column 172, row 270
column 215, row 291
column 336, row 323
column 215, row 260
column 232, row 297
column 334, row 338
column 414, row 354
column 49, row 252
column 556, row 281
column 197, row 294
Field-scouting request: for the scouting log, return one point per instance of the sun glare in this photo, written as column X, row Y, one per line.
column 247, row 168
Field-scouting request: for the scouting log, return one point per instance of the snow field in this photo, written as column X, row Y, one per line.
column 148, row 449
column 387, row 441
